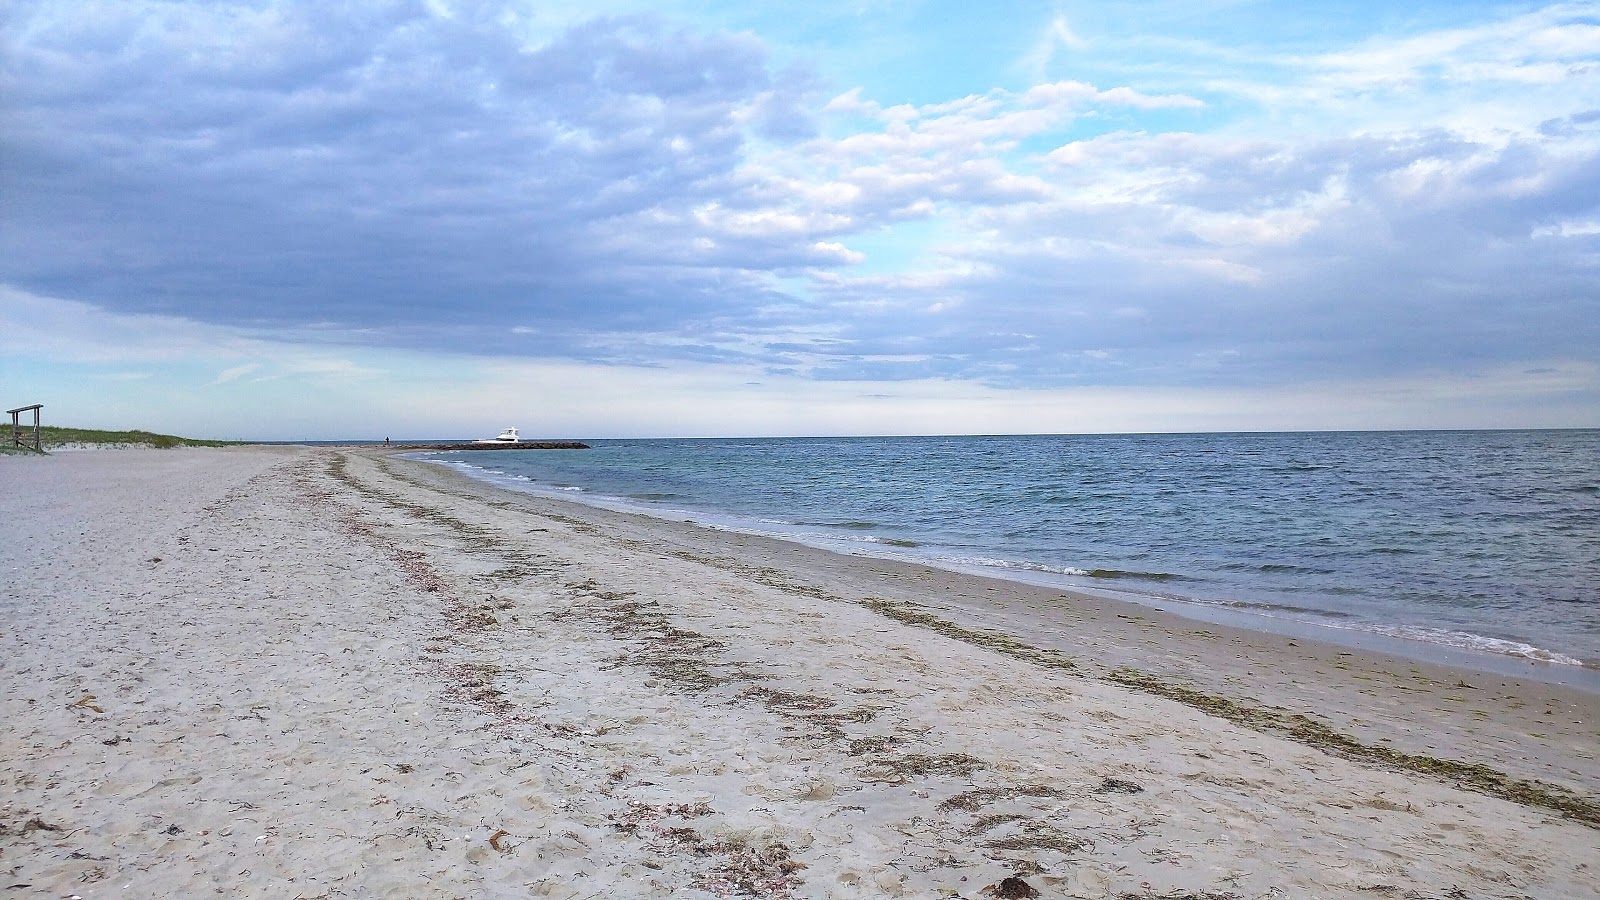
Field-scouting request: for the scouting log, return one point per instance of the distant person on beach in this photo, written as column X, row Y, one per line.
column 386, row 442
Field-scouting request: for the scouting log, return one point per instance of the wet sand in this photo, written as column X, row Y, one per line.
column 289, row 672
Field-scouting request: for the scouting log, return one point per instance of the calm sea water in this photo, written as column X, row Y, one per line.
column 1488, row 542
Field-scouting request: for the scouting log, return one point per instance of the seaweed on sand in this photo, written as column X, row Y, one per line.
column 1023, row 833
column 1011, row 888
column 974, row 800
column 676, row 655
column 740, row 869
column 1304, row 729
column 993, row 640
column 890, row 767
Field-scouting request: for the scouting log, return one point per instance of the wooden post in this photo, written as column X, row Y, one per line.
column 16, row 427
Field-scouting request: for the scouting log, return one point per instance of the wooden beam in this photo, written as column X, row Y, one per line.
column 16, row 427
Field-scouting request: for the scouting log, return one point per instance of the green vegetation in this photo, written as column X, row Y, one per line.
column 56, row 436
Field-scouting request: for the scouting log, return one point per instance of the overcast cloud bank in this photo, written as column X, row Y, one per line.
column 662, row 199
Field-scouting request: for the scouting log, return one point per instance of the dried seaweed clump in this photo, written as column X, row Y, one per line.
column 1022, row 833
column 1011, row 888
column 474, row 683
column 740, row 869
column 898, row 768
column 648, row 814
column 974, row 800
column 872, row 745
column 1473, row 776
column 993, row 640
column 677, row 655
column 830, row 725
column 33, row 824
column 784, row 701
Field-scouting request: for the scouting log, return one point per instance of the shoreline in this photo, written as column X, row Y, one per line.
column 307, row 672
column 1479, row 662
column 1345, row 686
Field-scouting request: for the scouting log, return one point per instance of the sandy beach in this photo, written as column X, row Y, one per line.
column 291, row 672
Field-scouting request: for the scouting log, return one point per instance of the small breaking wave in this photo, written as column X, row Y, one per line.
column 1105, row 574
column 992, row 563
column 1276, row 569
column 1276, row 607
column 1136, row 576
column 1463, row 640
column 890, row 542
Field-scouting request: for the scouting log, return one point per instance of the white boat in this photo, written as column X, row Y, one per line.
column 509, row 436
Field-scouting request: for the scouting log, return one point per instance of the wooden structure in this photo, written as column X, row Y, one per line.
column 16, row 427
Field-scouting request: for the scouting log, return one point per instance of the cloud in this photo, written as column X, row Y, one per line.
column 644, row 193
column 380, row 168
column 1055, row 36
column 229, row 374
column 60, row 332
column 1254, row 261
column 406, row 393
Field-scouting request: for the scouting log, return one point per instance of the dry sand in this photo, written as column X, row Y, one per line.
column 280, row 672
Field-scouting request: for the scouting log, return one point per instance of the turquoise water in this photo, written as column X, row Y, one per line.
column 1487, row 542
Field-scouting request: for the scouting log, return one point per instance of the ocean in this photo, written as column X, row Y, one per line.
column 1484, row 542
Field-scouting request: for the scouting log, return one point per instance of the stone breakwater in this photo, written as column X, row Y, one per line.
column 519, row 445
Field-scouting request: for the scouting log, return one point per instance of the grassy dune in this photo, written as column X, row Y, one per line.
column 56, row 436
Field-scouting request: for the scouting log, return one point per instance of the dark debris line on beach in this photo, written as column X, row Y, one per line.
column 1303, row 729
column 1580, row 807
column 727, row 866
column 1306, row 730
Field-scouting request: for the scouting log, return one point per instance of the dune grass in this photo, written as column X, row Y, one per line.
column 57, row 436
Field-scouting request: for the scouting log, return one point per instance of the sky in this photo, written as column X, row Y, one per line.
column 313, row 220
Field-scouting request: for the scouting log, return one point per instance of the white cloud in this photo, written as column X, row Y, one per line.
column 1569, row 229
column 1055, row 36
column 451, row 395
column 229, row 374
column 304, row 190
column 832, row 250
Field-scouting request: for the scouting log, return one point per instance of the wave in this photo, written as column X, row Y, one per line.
column 1464, row 640
column 1381, row 565
column 1136, row 576
column 1276, row 607
column 1107, row 574
column 891, row 542
column 1276, row 569
column 992, row 563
